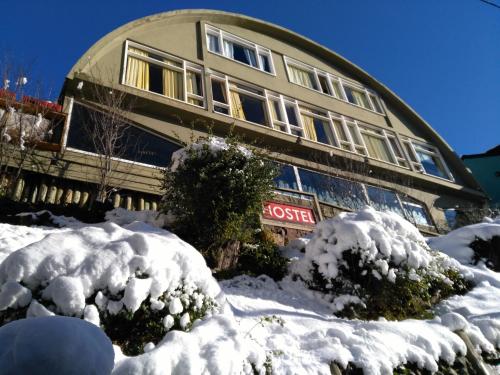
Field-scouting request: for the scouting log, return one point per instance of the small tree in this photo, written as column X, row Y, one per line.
column 23, row 122
column 215, row 188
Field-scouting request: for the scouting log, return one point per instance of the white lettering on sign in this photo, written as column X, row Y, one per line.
column 285, row 212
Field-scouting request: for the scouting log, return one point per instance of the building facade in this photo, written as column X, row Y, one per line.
column 342, row 138
column 486, row 169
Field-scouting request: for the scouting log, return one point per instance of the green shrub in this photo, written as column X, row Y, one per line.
column 411, row 296
column 216, row 194
column 262, row 258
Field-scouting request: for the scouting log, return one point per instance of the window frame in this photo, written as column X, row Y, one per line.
column 330, row 79
column 183, row 69
column 412, row 146
column 256, row 48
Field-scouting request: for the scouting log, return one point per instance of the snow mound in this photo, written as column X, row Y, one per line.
column 70, row 265
column 54, row 345
column 456, row 243
column 97, row 272
column 121, row 216
column 214, row 144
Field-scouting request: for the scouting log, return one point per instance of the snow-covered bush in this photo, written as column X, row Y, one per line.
column 472, row 243
column 369, row 264
column 215, row 190
column 137, row 282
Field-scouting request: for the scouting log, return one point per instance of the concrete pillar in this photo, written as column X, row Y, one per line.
column 140, row 204
column 51, row 195
column 116, row 200
column 59, row 195
column 76, row 197
column 34, row 193
column 84, row 199
column 18, row 190
column 129, row 203
column 154, row 206
column 68, row 197
column 42, row 193
column 147, row 205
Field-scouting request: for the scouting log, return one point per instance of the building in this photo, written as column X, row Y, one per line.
column 486, row 169
column 343, row 139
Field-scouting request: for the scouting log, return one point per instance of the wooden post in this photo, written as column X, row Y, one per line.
column 76, row 196
column 129, row 203
column 42, row 194
column 68, row 198
column 141, row 205
column 84, row 199
column 51, row 195
column 147, row 206
column 34, row 193
column 154, row 206
column 18, row 190
column 59, row 195
column 116, row 200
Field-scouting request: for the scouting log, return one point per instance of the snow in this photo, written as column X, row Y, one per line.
column 213, row 144
column 127, row 264
column 456, row 243
column 35, row 345
column 122, row 216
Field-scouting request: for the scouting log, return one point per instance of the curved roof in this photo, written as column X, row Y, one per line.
column 290, row 37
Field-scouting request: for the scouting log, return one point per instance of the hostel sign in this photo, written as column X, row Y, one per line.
column 286, row 212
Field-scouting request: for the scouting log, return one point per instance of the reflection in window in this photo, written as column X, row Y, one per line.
column 431, row 164
column 246, row 106
column 416, row 212
column 286, row 179
column 136, row 144
column 384, row 200
column 333, row 190
column 317, row 129
column 357, row 97
column 240, row 53
column 377, row 147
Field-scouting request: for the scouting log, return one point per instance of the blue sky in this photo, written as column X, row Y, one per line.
column 441, row 56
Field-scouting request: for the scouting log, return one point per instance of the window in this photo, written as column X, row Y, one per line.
column 377, row 144
column 317, row 126
column 286, row 179
column 333, row 190
column 357, row 97
column 384, row 200
column 302, row 76
column 416, row 212
column 329, row 84
column 151, row 70
column 427, row 159
column 138, row 145
column 238, row 49
column 247, row 104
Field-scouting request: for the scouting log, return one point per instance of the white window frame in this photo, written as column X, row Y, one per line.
column 185, row 66
column 333, row 78
column 256, row 48
column 415, row 145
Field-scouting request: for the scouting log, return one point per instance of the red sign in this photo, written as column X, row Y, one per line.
column 285, row 212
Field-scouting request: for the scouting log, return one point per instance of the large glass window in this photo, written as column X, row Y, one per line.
column 247, row 104
column 302, row 76
column 427, row 159
column 416, row 212
column 317, row 127
column 155, row 71
column 333, row 190
column 136, row 145
column 239, row 49
column 384, row 200
column 357, row 97
column 286, row 179
column 376, row 144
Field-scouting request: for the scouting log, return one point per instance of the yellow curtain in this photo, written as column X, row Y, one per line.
column 340, row 131
column 360, row 98
column 137, row 73
column 336, row 88
column 236, row 106
column 309, row 130
column 377, row 148
column 272, row 106
column 192, row 84
column 172, row 84
column 300, row 76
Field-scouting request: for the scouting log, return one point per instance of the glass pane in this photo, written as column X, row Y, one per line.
column 432, row 164
column 219, row 91
column 376, row 103
column 240, row 53
column 336, row 88
column 248, row 108
column 275, row 110
column 302, row 77
column 324, row 85
column 340, row 130
column 395, row 147
column 354, row 134
column 384, row 200
column 417, row 213
column 324, row 133
column 333, row 190
column 265, row 63
column 155, row 79
column 194, row 85
column 286, row 179
column 135, row 144
column 292, row 116
column 213, row 43
column 377, row 148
